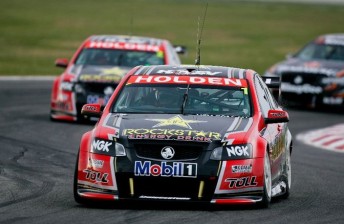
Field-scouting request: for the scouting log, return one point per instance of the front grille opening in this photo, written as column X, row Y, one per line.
column 182, row 152
column 166, row 187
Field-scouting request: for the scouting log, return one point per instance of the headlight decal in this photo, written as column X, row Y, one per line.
column 105, row 147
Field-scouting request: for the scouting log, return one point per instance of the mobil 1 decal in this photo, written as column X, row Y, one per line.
column 165, row 169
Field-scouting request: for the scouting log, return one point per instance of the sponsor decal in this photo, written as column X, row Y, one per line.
column 277, row 145
column 167, row 152
column 67, row 86
column 186, row 72
column 242, row 182
column 277, row 114
column 164, row 169
column 101, row 145
column 303, row 69
column 176, row 121
column 122, row 46
column 333, row 100
column 334, row 40
column 100, row 78
column 312, row 64
column 63, row 105
column 96, row 176
column 188, row 80
column 171, row 134
column 163, row 198
column 96, row 163
column 116, row 71
column 299, row 89
column 242, row 168
column 91, row 108
column 91, row 99
column 239, row 152
column 330, row 80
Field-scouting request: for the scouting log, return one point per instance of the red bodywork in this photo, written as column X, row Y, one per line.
column 273, row 139
column 63, row 97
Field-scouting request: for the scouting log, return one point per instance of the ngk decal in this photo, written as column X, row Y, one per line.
column 239, row 152
column 164, row 169
column 101, row 145
column 220, row 81
column 241, row 182
column 96, row 176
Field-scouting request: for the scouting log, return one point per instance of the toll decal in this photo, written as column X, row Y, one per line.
column 165, row 169
column 97, row 171
column 240, row 176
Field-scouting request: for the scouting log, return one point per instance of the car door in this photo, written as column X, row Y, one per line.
column 274, row 133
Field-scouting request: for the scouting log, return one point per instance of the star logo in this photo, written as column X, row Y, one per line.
column 176, row 121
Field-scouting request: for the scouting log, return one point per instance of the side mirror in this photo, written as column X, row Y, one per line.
column 180, row 49
column 61, row 62
column 92, row 110
column 277, row 116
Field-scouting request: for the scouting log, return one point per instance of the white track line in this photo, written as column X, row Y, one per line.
column 330, row 138
column 27, row 78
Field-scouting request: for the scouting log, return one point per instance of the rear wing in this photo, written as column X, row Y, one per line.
column 272, row 82
column 180, row 49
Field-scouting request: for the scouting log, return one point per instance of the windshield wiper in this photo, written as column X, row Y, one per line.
column 185, row 98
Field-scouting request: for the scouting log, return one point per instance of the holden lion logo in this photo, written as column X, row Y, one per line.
column 167, row 152
column 298, row 80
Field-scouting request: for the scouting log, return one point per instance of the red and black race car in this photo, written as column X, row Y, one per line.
column 97, row 67
column 314, row 76
column 186, row 133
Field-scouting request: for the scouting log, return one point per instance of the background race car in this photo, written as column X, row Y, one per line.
column 314, row 76
column 186, row 133
column 97, row 67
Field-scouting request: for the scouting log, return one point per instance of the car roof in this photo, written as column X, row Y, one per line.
column 193, row 70
column 126, row 39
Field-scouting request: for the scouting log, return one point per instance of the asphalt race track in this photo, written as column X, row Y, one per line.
column 37, row 159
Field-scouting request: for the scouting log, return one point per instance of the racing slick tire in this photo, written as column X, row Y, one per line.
column 287, row 174
column 265, row 203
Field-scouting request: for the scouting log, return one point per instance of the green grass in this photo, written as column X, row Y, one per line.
column 249, row 35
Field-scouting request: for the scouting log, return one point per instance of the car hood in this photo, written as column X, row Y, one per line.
column 179, row 127
column 327, row 67
column 91, row 73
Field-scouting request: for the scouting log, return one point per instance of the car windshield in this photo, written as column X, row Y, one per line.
column 185, row 99
column 321, row 51
column 113, row 57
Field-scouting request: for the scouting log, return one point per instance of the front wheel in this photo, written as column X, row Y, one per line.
column 265, row 203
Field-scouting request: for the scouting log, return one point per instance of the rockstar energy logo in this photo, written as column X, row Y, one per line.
column 100, row 78
column 105, row 75
column 176, row 121
column 171, row 134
